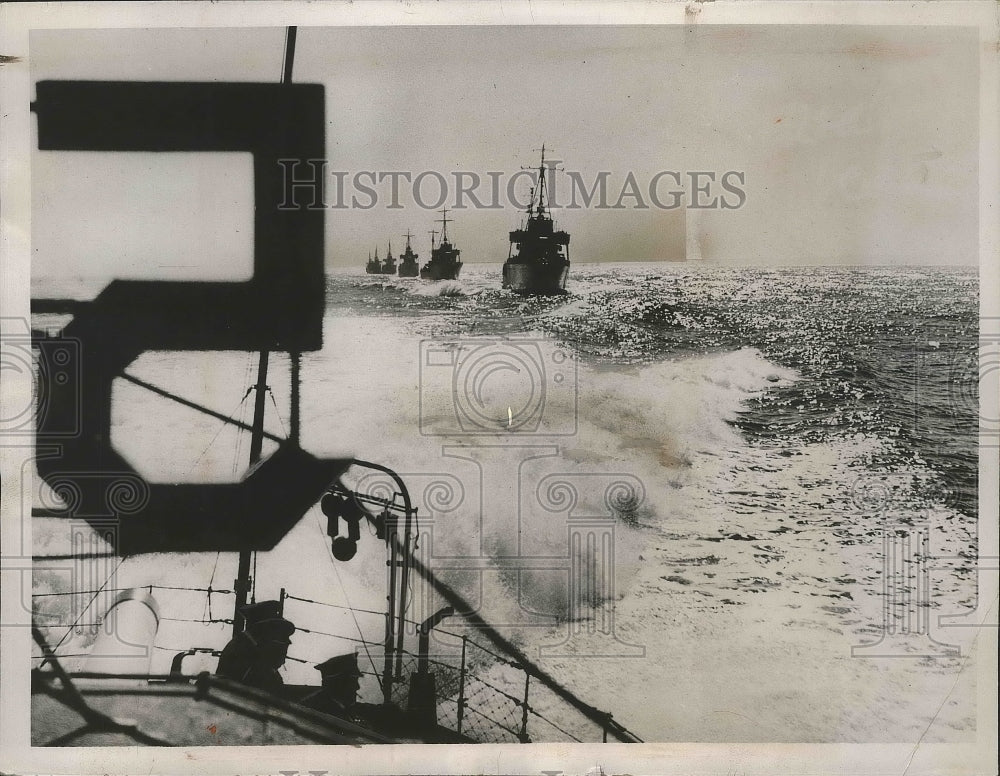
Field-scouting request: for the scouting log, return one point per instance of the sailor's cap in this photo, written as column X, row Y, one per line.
column 264, row 621
column 261, row 610
column 341, row 665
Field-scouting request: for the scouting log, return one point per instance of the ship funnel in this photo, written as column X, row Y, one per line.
column 125, row 642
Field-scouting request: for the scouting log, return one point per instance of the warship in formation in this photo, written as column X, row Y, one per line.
column 408, row 261
column 389, row 265
column 445, row 263
column 232, row 693
column 376, row 267
column 538, row 257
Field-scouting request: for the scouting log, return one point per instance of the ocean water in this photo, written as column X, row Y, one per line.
column 759, row 440
column 888, row 353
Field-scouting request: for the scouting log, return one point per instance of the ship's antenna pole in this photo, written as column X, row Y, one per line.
column 444, row 221
column 541, row 183
column 432, row 232
column 407, row 236
column 242, row 584
column 286, row 72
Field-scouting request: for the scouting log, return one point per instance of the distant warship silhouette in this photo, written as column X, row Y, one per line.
column 538, row 259
column 445, row 261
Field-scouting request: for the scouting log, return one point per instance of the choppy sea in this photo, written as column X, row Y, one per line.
column 781, row 426
column 884, row 354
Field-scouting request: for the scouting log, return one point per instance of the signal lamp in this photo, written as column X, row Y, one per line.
column 337, row 506
column 343, row 548
column 333, row 505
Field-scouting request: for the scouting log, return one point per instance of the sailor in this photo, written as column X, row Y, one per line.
column 338, row 695
column 254, row 656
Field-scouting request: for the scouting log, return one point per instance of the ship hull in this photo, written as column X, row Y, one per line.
column 431, row 272
column 409, row 272
column 535, row 279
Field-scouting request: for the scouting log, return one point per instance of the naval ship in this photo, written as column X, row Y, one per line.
column 408, row 261
column 538, row 258
column 91, row 681
column 377, row 267
column 444, row 263
column 389, row 265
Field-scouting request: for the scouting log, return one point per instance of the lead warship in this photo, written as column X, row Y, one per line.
column 444, row 263
column 540, row 263
column 408, row 266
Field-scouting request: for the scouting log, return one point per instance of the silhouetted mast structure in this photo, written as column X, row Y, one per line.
column 243, row 582
column 444, row 224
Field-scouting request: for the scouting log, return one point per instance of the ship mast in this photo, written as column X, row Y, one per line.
column 445, row 221
column 408, row 236
column 243, row 582
column 540, row 188
column 432, row 233
column 541, row 184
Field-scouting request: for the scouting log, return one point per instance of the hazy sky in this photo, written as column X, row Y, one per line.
column 858, row 144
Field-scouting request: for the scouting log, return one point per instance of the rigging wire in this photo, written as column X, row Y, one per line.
column 350, row 608
column 335, row 606
column 151, row 588
column 247, row 376
column 222, row 427
column 83, row 612
column 208, row 597
column 193, row 405
column 277, row 412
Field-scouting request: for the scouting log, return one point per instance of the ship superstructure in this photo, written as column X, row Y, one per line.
column 538, row 257
column 445, row 263
column 389, row 265
column 408, row 261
